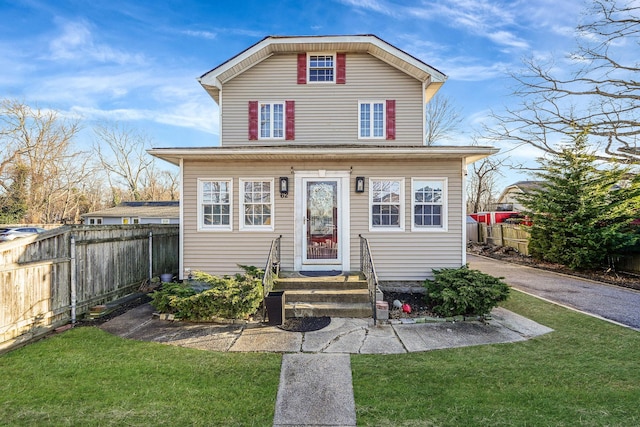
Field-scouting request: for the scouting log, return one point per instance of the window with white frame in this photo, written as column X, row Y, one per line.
column 214, row 204
column 272, row 120
column 372, row 120
column 321, row 68
column 256, row 201
column 95, row 221
column 429, row 206
column 386, row 201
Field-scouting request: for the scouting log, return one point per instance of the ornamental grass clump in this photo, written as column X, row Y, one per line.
column 229, row 297
column 464, row 292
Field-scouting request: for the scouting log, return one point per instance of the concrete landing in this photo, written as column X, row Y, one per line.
column 315, row 390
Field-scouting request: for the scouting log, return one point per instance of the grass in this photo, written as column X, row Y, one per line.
column 88, row 377
column 585, row 373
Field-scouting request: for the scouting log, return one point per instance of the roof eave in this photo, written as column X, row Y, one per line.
column 470, row 154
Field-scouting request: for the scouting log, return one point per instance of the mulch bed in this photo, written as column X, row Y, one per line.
column 305, row 324
column 419, row 308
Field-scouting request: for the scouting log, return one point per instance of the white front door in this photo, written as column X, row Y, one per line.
column 322, row 229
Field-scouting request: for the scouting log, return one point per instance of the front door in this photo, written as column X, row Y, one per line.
column 321, row 222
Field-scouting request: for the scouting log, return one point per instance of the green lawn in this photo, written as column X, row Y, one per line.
column 586, row 373
column 87, row 377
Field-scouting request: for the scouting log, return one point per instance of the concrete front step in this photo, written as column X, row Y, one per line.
column 327, row 295
column 334, row 282
column 328, row 309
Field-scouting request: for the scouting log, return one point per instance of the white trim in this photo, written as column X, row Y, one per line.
column 463, row 180
column 371, row 127
column 344, row 191
column 445, row 198
column 241, row 213
column 95, row 220
column 335, row 67
column 182, row 221
column 402, row 202
column 201, row 225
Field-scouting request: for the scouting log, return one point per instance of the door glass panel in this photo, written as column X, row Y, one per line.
column 322, row 220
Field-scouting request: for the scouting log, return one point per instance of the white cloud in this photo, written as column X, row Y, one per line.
column 201, row 34
column 76, row 43
column 375, row 6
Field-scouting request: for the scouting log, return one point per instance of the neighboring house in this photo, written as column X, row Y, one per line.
column 322, row 141
column 165, row 212
column 508, row 200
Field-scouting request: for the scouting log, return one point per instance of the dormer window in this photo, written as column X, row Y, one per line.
column 321, row 68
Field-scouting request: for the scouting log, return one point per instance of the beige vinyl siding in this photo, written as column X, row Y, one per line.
column 326, row 113
column 219, row 252
column 410, row 255
column 402, row 255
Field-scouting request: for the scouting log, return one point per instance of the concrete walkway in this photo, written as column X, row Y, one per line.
column 342, row 336
column 315, row 389
column 315, row 379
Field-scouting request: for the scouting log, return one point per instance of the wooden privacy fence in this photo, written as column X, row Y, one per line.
column 49, row 279
column 510, row 235
column 515, row 236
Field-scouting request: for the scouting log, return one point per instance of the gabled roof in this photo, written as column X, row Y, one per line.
column 213, row 80
column 154, row 209
column 524, row 186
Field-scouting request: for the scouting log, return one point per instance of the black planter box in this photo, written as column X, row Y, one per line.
column 275, row 307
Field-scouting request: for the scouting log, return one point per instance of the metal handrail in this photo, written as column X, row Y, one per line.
column 271, row 269
column 368, row 269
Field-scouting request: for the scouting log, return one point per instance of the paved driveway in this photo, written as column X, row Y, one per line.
column 610, row 302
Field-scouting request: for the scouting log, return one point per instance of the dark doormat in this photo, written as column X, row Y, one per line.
column 305, row 324
column 320, row 273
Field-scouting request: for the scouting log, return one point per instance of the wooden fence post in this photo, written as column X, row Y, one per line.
column 150, row 255
column 72, row 279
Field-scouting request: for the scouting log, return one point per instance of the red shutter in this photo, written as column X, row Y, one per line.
column 391, row 119
column 302, row 68
column 253, row 120
column 341, row 68
column 290, row 111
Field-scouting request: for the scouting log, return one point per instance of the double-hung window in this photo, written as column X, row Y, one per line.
column 321, row 68
column 386, row 201
column 372, row 121
column 429, row 204
column 272, row 120
column 256, row 204
column 214, row 204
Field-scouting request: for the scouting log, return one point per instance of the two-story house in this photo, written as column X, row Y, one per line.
column 321, row 142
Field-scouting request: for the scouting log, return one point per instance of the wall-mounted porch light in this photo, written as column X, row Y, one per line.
column 284, row 186
column 360, row 184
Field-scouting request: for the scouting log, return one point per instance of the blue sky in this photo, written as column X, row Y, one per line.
column 137, row 61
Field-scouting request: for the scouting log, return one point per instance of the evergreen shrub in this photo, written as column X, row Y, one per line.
column 229, row 297
column 464, row 292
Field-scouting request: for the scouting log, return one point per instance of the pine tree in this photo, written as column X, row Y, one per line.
column 582, row 209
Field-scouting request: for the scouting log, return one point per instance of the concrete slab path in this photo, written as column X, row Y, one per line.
column 315, row 390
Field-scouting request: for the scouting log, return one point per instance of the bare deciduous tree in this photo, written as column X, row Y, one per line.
column 442, row 120
column 481, row 183
column 38, row 160
column 600, row 95
column 130, row 171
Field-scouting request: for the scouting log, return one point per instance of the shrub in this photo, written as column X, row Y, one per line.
column 231, row 297
column 464, row 292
